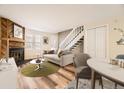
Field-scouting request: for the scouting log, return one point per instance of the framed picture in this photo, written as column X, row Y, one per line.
column 45, row 40
column 18, row 31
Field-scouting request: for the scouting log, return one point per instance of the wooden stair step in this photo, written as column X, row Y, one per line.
column 82, row 38
column 77, row 43
column 72, row 48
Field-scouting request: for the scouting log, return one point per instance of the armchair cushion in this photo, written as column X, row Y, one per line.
column 78, row 70
column 85, row 73
column 49, row 52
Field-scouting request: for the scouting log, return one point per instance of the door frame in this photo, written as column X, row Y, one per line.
column 107, row 38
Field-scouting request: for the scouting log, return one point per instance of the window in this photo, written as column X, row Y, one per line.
column 29, row 42
column 37, row 42
column 33, row 42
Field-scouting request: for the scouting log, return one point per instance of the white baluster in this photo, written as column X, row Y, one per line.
column 68, row 41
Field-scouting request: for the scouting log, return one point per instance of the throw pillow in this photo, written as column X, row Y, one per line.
column 59, row 50
column 51, row 52
column 60, row 53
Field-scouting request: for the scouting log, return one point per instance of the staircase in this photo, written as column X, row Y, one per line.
column 74, row 38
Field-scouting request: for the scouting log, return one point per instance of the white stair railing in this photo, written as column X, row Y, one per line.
column 70, row 37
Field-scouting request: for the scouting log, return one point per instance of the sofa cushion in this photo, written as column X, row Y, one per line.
column 52, row 56
column 64, row 52
column 49, row 52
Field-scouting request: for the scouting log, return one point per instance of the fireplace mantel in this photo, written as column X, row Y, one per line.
column 7, row 38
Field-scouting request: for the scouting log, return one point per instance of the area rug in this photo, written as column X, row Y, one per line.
column 86, row 84
column 47, row 69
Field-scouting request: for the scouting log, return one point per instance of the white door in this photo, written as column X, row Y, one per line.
column 101, row 42
column 91, row 34
column 97, row 42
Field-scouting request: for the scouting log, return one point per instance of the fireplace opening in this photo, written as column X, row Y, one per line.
column 18, row 54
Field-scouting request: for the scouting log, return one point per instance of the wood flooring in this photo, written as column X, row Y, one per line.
column 53, row 81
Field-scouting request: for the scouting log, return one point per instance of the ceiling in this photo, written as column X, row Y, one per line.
column 56, row 18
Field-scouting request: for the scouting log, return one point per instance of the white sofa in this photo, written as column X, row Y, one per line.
column 64, row 59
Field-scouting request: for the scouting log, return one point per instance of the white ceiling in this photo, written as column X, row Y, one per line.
column 56, row 18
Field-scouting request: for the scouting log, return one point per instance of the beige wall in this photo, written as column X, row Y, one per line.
column 0, row 37
column 118, row 22
column 113, row 48
column 63, row 34
column 114, row 36
column 32, row 52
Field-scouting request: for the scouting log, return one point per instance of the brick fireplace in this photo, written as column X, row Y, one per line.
column 18, row 54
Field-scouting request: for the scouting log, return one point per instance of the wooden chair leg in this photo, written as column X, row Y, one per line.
column 77, row 79
column 93, row 79
column 101, row 82
column 115, row 85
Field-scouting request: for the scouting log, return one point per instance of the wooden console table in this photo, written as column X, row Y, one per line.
column 102, row 67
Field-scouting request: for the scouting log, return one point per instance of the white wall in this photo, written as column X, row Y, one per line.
column 33, row 52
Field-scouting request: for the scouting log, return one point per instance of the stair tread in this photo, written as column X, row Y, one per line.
column 74, row 39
